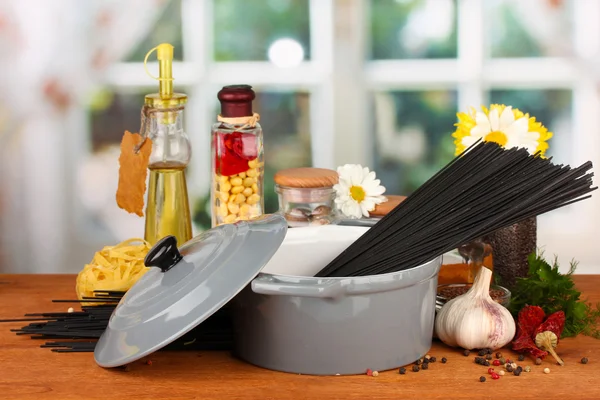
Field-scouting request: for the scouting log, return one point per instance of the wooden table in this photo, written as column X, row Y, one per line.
column 29, row 372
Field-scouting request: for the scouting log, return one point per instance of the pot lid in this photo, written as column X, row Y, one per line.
column 187, row 286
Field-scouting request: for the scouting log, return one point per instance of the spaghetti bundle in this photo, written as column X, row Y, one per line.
column 482, row 190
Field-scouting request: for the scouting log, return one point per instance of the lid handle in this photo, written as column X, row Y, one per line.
column 164, row 254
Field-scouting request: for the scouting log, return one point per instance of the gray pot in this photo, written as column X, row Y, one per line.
column 331, row 326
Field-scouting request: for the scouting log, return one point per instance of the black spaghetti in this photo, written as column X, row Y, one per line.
column 483, row 189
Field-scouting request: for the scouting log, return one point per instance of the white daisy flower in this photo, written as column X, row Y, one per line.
column 357, row 191
column 503, row 129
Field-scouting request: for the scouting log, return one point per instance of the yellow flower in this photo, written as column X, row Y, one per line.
column 507, row 126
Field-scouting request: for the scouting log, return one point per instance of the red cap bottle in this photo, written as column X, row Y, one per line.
column 236, row 101
column 237, row 158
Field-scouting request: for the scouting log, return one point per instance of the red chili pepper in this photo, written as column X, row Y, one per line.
column 233, row 151
column 530, row 317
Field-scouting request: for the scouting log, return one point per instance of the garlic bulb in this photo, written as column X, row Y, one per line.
column 475, row 321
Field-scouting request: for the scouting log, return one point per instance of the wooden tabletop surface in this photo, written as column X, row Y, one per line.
column 30, row 372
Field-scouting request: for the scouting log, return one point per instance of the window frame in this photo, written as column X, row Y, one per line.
column 340, row 119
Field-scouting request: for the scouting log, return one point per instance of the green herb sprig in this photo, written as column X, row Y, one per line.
column 552, row 291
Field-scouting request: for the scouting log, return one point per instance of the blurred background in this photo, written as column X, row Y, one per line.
column 375, row 82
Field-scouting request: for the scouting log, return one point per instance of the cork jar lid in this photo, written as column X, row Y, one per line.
column 383, row 209
column 306, row 177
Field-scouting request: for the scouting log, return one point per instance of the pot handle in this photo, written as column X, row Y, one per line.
column 266, row 285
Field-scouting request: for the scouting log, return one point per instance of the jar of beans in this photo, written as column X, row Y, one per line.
column 237, row 158
column 306, row 196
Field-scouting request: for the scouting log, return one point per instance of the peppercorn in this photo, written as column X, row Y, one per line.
column 516, row 372
column 501, row 373
column 509, row 368
column 488, row 357
column 528, row 369
column 427, row 357
column 479, row 360
column 521, row 357
column 369, row 372
column 415, row 368
column 489, row 351
column 426, row 361
column 482, row 379
column 402, row 371
column 498, row 355
column 538, row 361
column 432, row 359
column 482, row 352
column 490, row 370
column 495, row 376
column 546, row 370
column 502, row 360
column 466, row 353
column 514, row 365
column 496, row 362
column 584, row 360
column 487, row 363
column 425, row 366
column 519, row 368
column 418, row 362
column 375, row 373
column 445, row 360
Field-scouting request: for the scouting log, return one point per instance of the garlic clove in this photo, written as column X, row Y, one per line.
column 474, row 320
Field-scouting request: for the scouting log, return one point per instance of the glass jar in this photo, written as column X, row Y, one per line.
column 237, row 158
column 461, row 265
column 306, row 196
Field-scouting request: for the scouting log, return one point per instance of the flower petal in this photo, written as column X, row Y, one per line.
column 469, row 140
column 506, row 118
column 364, row 210
column 480, row 131
column 368, row 204
column 494, row 120
column 356, row 176
column 482, row 119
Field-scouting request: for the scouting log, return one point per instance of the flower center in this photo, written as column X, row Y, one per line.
column 357, row 193
column 497, row 137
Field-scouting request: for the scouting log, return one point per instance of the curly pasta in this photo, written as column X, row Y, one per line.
column 114, row 268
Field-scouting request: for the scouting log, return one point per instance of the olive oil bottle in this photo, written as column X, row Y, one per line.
column 167, row 207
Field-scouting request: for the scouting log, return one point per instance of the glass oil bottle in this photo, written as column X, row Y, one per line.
column 167, row 208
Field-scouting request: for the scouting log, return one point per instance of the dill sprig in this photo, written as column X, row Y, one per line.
column 547, row 288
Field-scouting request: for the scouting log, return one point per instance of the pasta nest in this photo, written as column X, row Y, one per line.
column 114, row 268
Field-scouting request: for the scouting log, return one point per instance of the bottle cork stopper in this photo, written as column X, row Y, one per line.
column 384, row 208
column 306, row 177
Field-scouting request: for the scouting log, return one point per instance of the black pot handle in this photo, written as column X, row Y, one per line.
column 164, row 254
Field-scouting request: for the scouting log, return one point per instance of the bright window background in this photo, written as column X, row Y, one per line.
column 374, row 82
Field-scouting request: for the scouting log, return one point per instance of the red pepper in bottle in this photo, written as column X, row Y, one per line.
column 529, row 319
column 547, row 334
column 237, row 158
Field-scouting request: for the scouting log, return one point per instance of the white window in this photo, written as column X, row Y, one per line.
column 376, row 82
